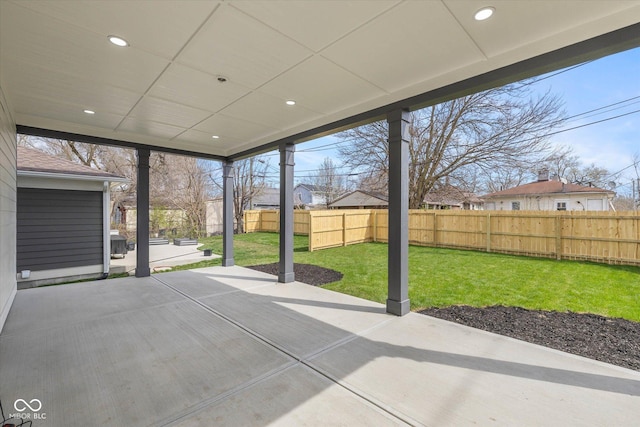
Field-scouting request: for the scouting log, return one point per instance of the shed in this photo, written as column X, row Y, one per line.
column 62, row 219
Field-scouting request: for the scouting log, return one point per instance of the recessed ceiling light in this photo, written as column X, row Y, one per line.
column 89, row 111
column 484, row 13
column 215, row 137
column 118, row 41
column 291, row 102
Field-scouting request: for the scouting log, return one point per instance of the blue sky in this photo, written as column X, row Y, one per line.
column 610, row 144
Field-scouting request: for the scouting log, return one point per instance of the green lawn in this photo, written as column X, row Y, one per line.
column 442, row 277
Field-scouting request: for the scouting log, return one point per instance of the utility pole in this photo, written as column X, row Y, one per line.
column 251, row 183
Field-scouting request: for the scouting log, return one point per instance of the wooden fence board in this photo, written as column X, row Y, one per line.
column 608, row 237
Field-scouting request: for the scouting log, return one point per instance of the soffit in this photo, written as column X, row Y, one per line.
column 336, row 59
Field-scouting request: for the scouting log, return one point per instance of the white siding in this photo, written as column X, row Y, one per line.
column 574, row 202
column 7, row 209
column 214, row 216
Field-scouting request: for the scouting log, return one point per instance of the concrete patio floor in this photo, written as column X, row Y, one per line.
column 229, row 346
column 160, row 257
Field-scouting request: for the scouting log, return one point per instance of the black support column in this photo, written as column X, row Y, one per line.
column 142, row 214
column 227, row 214
column 398, row 284
column 285, row 271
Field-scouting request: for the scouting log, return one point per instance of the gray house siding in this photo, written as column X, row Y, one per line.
column 302, row 195
column 7, row 209
column 58, row 229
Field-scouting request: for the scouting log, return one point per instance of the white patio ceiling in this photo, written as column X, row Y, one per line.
column 336, row 59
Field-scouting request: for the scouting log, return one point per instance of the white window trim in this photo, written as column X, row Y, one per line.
column 565, row 201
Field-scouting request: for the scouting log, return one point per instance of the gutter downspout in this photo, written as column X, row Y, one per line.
column 106, row 235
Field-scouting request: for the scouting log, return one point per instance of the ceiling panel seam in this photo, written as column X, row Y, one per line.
column 464, row 29
column 150, row 87
column 596, row 47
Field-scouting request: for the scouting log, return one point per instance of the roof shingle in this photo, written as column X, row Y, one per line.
column 545, row 187
column 38, row 161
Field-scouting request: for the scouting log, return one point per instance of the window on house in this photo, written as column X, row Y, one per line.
column 561, row 206
column 515, row 206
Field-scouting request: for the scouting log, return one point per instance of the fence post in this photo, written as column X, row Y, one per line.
column 558, row 238
column 344, row 229
column 488, row 232
column 375, row 225
column 310, row 231
column 435, row 229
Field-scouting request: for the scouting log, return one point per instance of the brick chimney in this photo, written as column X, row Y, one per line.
column 543, row 175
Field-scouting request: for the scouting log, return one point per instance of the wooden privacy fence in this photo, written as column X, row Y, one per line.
column 606, row 237
column 269, row 220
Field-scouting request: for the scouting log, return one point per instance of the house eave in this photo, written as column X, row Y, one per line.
column 560, row 193
column 69, row 176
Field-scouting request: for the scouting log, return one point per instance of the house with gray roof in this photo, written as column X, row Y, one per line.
column 360, row 199
column 309, row 196
column 63, row 227
column 451, row 197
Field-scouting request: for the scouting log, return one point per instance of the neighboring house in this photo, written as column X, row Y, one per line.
column 62, row 219
column 213, row 222
column 266, row 198
column 550, row 195
column 311, row 196
column 359, row 199
column 164, row 216
column 451, row 197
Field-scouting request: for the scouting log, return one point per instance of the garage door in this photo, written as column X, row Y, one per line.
column 595, row 205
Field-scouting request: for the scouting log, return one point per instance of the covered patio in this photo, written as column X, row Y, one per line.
column 226, row 80
column 231, row 346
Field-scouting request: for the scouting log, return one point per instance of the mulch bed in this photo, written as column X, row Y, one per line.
column 615, row 341
column 305, row 273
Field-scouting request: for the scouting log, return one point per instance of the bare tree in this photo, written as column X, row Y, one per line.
column 561, row 161
column 178, row 183
column 592, row 176
column 249, row 180
column 486, row 130
column 328, row 181
column 510, row 174
column 86, row 154
column 184, row 181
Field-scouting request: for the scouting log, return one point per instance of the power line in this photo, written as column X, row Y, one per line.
column 590, row 123
column 606, row 107
column 559, row 72
column 623, row 169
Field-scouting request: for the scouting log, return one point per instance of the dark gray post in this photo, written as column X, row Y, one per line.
column 142, row 214
column 227, row 214
column 398, row 285
column 285, row 272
